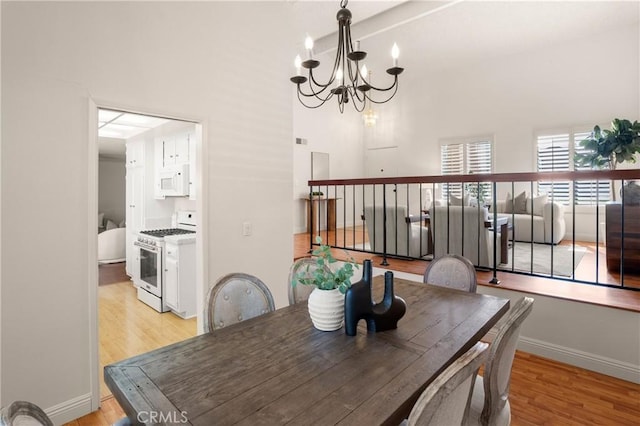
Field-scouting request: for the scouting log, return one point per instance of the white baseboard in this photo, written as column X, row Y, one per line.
column 70, row 410
column 600, row 364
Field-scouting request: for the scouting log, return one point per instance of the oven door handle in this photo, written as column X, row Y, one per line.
column 146, row 247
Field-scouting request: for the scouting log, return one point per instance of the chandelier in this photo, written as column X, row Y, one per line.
column 348, row 81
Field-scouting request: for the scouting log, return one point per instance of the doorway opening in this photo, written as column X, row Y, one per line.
column 148, row 179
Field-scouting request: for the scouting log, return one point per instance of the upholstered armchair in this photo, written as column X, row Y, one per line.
column 112, row 246
column 544, row 223
column 404, row 236
column 463, row 231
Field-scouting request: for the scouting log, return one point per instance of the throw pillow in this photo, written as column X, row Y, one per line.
column 457, row 201
column 111, row 224
column 537, row 204
column 519, row 203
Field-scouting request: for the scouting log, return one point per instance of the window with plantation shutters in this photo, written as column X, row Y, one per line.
column 555, row 154
column 589, row 191
column 452, row 163
column 467, row 158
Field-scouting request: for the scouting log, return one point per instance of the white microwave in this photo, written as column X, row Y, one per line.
column 173, row 181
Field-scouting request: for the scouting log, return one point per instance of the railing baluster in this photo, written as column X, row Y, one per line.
column 531, row 256
column 622, row 234
column 384, row 225
column 573, row 226
column 597, row 231
column 494, row 269
column 339, row 191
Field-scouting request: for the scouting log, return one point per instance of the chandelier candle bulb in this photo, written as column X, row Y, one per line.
column 308, row 44
column 298, row 63
column 395, row 52
column 363, row 71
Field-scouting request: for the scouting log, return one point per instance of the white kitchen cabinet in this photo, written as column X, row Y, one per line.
column 180, row 275
column 134, row 214
column 192, row 168
column 175, row 148
column 171, row 279
column 135, row 153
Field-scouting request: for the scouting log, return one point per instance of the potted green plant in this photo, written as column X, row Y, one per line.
column 326, row 301
column 608, row 148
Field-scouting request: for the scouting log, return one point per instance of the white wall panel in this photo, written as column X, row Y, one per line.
column 201, row 60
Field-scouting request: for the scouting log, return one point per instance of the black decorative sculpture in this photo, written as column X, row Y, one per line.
column 358, row 304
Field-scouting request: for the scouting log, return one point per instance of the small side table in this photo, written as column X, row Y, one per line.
column 312, row 226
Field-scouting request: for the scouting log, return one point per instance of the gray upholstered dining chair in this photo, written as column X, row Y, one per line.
column 24, row 413
column 490, row 400
column 234, row 298
column 451, row 271
column 301, row 292
column 445, row 401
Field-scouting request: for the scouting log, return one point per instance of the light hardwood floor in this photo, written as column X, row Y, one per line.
column 128, row 327
column 543, row 392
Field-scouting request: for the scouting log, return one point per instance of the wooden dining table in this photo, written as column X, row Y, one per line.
column 278, row 369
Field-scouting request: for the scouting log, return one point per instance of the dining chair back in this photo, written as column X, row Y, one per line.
column 446, row 399
column 234, row 298
column 490, row 401
column 23, row 413
column 306, row 266
column 451, row 271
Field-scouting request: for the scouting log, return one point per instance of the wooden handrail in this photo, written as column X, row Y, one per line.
column 630, row 174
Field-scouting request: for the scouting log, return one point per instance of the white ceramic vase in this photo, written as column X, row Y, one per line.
column 326, row 309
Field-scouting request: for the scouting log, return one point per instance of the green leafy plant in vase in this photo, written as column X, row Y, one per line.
column 605, row 149
column 326, row 301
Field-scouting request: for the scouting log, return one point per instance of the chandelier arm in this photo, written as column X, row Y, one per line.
column 343, row 51
column 310, row 106
column 395, row 85
column 359, row 95
column 349, row 50
column 359, row 100
column 313, row 80
column 381, row 89
column 314, row 94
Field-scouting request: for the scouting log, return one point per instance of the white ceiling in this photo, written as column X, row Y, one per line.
column 317, row 18
column 476, row 31
column 455, row 32
column 450, row 33
column 114, row 127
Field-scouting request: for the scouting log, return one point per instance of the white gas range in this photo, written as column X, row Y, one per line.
column 149, row 271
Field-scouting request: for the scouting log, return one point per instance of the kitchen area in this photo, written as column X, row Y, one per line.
column 159, row 208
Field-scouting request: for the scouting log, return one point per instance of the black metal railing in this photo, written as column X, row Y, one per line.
column 471, row 215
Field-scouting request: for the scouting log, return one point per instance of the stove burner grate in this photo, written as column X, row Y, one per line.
column 166, row 232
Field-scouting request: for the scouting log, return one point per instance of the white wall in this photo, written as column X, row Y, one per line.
column 512, row 97
column 192, row 60
column 326, row 130
column 593, row 337
column 112, row 189
column 574, row 333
